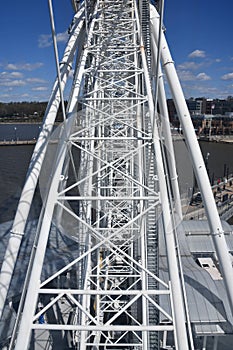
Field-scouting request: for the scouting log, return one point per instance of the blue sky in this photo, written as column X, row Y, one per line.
column 27, row 69
column 199, row 33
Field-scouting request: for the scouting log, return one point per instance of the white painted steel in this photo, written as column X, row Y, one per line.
column 31, row 299
column 168, row 226
column 164, row 117
column 107, row 292
column 118, row 186
column 172, row 170
column 26, row 198
column 197, row 161
column 114, row 198
column 105, row 328
column 107, row 189
column 34, row 283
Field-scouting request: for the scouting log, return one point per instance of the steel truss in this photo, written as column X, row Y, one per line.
column 108, row 191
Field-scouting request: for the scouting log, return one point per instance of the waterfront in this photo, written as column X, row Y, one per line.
column 14, row 161
column 19, row 131
column 218, row 157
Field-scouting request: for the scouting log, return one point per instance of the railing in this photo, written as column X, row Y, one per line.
column 225, row 211
column 17, row 142
column 225, row 207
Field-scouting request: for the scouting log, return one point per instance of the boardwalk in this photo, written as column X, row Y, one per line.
column 224, row 199
column 18, row 142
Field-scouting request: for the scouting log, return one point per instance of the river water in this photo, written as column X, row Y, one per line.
column 14, row 161
column 22, row 131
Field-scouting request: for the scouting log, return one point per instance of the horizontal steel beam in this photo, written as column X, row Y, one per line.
column 119, row 99
column 112, row 138
column 104, row 292
column 110, row 198
column 103, row 328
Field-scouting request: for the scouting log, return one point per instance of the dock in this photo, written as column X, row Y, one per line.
column 17, row 142
column 223, row 193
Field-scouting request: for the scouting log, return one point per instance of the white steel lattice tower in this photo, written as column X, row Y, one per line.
column 105, row 188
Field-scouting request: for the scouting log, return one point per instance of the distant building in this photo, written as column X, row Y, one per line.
column 229, row 114
column 209, row 116
column 171, row 108
column 217, row 106
column 194, row 106
column 202, row 105
column 209, row 124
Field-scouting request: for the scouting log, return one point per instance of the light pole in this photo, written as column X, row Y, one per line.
column 206, row 162
column 15, row 133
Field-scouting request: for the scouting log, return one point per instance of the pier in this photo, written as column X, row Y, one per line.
column 17, row 142
column 223, row 193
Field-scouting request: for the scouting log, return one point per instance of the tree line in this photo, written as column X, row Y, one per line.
column 23, row 111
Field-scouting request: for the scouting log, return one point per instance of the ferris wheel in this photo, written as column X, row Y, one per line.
column 109, row 257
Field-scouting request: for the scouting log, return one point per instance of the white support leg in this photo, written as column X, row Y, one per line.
column 215, row 343
column 204, row 342
column 168, row 225
column 26, row 198
column 197, row 160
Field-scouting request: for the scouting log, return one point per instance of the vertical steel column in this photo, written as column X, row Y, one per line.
column 25, row 327
column 34, row 283
column 204, row 342
column 166, row 131
column 168, row 224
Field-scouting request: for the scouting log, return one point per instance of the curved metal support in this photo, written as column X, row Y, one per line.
column 168, row 226
column 26, row 198
column 34, row 283
column 167, row 135
column 197, row 161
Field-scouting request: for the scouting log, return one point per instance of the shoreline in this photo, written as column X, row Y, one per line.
column 217, row 139
column 226, row 139
column 18, row 142
column 214, row 139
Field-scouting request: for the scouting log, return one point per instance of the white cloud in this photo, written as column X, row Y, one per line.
column 203, row 76
column 24, row 66
column 40, row 88
column 11, row 79
column 15, row 79
column 15, row 75
column 5, row 95
column 186, row 75
column 14, row 83
column 35, row 80
column 45, row 40
column 197, row 90
column 190, row 65
column 197, row 53
column 62, row 37
column 10, row 75
column 228, row 76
